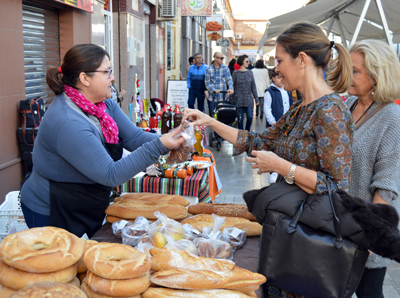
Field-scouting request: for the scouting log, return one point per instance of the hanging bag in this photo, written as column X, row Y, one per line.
column 32, row 112
column 302, row 247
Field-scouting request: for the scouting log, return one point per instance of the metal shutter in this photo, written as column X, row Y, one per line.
column 41, row 47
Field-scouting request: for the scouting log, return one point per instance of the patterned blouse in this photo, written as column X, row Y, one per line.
column 245, row 88
column 317, row 136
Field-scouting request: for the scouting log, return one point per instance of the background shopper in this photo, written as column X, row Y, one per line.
column 261, row 77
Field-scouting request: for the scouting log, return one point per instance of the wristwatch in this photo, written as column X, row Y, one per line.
column 289, row 178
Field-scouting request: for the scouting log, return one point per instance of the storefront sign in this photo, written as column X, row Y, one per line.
column 196, row 7
column 247, row 52
column 87, row 5
column 214, row 27
column 223, row 42
column 177, row 93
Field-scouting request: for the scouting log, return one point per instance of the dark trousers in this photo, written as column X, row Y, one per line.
column 260, row 107
column 249, row 116
column 371, row 284
column 210, row 108
column 193, row 94
column 33, row 219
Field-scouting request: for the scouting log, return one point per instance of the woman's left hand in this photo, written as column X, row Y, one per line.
column 265, row 161
column 169, row 140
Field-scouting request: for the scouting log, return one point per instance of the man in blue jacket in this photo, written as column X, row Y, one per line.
column 195, row 82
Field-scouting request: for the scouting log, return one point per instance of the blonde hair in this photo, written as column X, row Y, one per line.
column 310, row 39
column 383, row 66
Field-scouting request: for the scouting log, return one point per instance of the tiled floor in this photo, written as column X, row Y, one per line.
column 238, row 177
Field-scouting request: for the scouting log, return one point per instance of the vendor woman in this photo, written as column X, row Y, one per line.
column 77, row 157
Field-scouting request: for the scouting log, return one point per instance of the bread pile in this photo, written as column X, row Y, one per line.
column 201, row 221
column 38, row 255
column 187, row 275
column 115, row 270
column 49, row 289
column 132, row 205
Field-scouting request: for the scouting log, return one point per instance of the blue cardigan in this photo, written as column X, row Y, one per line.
column 277, row 102
column 69, row 148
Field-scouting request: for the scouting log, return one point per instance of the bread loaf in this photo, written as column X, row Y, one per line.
column 81, row 264
column 189, row 280
column 92, row 294
column 17, row 279
column 201, row 221
column 41, row 250
column 6, row 292
column 164, row 259
column 75, row 282
column 240, row 278
column 171, row 293
column 130, row 209
column 153, row 197
column 116, row 261
column 118, row 287
column 49, row 290
column 231, row 210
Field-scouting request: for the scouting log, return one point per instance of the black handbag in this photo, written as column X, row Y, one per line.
column 32, row 112
column 298, row 257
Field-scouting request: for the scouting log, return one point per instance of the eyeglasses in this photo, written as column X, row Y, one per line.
column 222, row 58
column 109, row 71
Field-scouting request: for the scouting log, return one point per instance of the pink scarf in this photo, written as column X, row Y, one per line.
column 108, row 125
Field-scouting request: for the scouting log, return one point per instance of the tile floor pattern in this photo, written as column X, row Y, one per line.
column 237, row 177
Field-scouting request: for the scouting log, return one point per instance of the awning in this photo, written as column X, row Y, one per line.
column 345, row 15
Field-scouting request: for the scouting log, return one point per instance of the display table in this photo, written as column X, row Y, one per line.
column 245, row 257
column 195, row 185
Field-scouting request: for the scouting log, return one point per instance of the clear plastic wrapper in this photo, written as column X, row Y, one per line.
column 191, row 233
column 182, row 244
column 144, row 247
column 119, row 225
column 164, row 227
column 210, row 245
column 183, row 153
column 234, row 236
column 132, row 233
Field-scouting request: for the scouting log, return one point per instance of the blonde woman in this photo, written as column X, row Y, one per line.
column 375, row 153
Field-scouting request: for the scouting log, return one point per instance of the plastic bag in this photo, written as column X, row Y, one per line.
column 182, row 244
column 191, row 233
column 183, row 153
column 163, row 227
column 234, row 236
column 210, row 245
column 132, row 233
column 144, row 247
column 119, row 225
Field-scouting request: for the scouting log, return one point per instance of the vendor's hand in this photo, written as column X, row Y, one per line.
column 169, row 140
column 206, row 94
column 230, row 91
column 197, row 118
column 265, row 161
column 217, row 91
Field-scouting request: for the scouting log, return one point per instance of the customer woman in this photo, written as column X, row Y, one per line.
column 261, row 77
column 231, row 65
column 310, row 144
column 376, row 152
column 245, row 91
column 77, row 154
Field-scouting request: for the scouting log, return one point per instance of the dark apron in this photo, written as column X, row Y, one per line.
column 78, row 207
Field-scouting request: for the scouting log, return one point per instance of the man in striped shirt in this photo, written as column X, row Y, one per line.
column 218, row 78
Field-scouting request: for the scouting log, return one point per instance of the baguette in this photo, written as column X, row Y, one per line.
column 131, row 209
column 154, row 197
column 189, row 280
column 201, row 221
column 231, row 210
column 242, row 279
column 164, row 259
column 171, row 293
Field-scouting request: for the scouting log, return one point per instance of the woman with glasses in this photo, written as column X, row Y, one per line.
column 78, row 151
column 311, row 144
column 245, row 91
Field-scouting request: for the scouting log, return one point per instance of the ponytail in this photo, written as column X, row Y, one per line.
column 339, row 72
column 54, row 80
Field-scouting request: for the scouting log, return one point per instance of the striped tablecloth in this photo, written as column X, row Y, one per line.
column 195, row 185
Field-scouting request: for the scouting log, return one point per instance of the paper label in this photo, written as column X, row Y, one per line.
column 121, row 224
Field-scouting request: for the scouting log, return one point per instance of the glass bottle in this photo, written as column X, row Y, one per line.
column 199, row 138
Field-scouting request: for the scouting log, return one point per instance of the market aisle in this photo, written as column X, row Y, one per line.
column 238, row 177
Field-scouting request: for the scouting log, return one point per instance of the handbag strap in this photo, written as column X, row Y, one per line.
column 292, row 227
column 372, row 113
